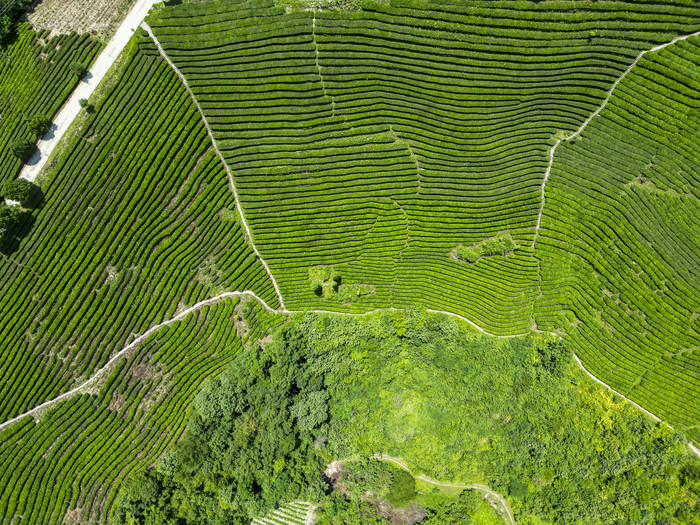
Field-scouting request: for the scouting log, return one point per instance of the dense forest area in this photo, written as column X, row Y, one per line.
column 515, row 414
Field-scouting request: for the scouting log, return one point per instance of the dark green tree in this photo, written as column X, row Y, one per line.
column 9, row 217
column 38, row 124
column 78, row 69
column 22, row 149
column 19, row 190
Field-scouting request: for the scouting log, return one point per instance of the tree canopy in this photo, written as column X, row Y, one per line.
column 515, row 414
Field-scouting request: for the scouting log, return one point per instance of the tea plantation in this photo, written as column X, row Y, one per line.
column 620, row 242
column 528, row 166
column 35, row 79
column 137, row 224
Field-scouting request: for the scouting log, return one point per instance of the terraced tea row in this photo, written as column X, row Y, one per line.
column 70, row 466
column 619, row 245
column 35, row 79
column 375, row 142
column 295, row 513
column 138, row 222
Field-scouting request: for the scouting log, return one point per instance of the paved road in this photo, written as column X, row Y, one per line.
column 72, row 107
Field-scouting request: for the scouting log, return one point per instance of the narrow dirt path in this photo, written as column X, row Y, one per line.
column 85, row 88
column 493, row 497
column 129, row 347
column 592, row 116
column 284, row 311
column 243, row 220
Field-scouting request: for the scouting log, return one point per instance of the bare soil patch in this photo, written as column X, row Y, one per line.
column 99, row 17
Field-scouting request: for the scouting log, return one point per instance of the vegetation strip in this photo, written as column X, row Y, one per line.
column 591, row 117
column 283, row 310
column 243, row 220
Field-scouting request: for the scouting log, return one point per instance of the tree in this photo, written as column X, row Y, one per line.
column 84, row 103
column 22, row 149
column 38, row 124
column 9, row 217
column 19, row 190
column 78, row 69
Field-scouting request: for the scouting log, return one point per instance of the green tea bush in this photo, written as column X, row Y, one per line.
column 376, row 141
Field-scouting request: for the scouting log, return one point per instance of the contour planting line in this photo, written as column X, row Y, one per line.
column 131, row 346
column 592, row 116
column 243, row 221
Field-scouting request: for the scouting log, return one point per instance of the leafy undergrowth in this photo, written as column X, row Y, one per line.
column 370, row 491
column 515, row 414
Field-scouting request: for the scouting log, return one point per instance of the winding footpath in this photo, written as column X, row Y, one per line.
column 140, row 339
column 493, row 497
column 592, row 116
column 241, row 216
column 85, row 88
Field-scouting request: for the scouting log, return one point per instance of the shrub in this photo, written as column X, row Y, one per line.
column 19, row 190
column 403, row 488
column 22, row 149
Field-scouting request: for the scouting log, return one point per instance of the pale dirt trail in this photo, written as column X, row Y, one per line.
column 85, row 88
column 592, row 116
column 243, row 220
column 127, row 348
column 491, row 496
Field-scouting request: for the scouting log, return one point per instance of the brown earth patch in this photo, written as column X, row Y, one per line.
column 99, row 17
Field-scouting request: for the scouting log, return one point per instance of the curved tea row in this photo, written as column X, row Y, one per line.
column 619, row 240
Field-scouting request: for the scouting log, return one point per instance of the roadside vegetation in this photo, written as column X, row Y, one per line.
column 36, row 77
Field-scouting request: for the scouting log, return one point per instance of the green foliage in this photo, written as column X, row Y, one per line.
column 19, row 190
column 249, row 445
column 455, row 512
column 617, row 281
column 22, row 149
column 338, row 510
column 78, row 69
column 501, row 244
column 38, row 124
column 9, row 217
column 327, row 283
column 12, row 13
column 84, row 103
column 515, row 414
